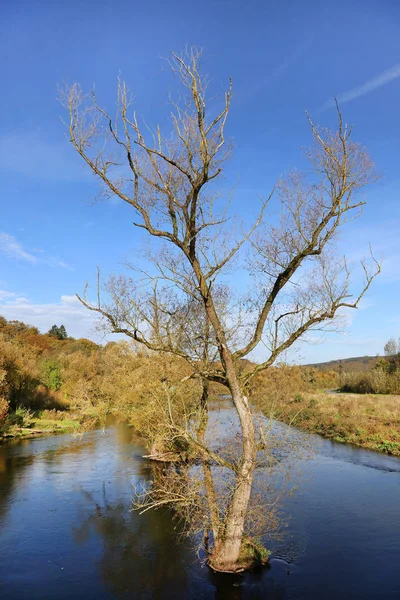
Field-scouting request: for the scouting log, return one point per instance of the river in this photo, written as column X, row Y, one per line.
column 66, row 529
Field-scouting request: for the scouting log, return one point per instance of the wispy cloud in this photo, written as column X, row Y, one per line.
column 78, row 321
column 5, row 294
column 366, row 88
column 12, row 248
column 252, row 90
column 290, row 60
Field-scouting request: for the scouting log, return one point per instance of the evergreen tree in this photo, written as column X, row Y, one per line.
column 62, row 333
column 59, row 332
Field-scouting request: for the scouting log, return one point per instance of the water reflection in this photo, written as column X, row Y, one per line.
column 11, row 472
column 66, row 529
column 140, row 556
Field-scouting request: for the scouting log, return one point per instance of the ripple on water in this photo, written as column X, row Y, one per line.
column 66, row 529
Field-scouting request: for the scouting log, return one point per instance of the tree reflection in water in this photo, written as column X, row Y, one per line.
column 67, row 529
column 144, row 556
column 140, row 553
column 11, row 470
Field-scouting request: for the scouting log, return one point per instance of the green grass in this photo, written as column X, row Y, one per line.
column 37, row 425
column 55, row 425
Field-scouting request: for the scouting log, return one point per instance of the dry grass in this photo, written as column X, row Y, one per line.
column 376, row 381
column 369, row 421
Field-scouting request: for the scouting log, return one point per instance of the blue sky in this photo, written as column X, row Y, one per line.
column 284, row 57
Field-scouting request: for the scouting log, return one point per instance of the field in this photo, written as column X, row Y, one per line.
column 369, row 421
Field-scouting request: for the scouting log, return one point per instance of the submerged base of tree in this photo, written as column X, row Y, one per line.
column 176, row 452
column 174, row 458
column 252, row 555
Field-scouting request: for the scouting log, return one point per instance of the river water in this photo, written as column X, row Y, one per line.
column 67, row 532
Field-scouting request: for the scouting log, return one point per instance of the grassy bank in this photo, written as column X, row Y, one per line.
column 366, row 420
column 25, row 423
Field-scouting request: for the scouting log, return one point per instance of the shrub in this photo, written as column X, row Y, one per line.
column 376, row 381
column 22, row 417
column 51, row 375
column 3, row 411
column 54, row 414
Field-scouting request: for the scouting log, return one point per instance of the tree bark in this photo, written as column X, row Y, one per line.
column 226, row 554
column 207, row 473
column 227, row 544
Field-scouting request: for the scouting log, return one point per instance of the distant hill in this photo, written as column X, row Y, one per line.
column 357, row 363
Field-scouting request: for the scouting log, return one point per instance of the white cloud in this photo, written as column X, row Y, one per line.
column 10, row 246
column 367, row 87
column 78, row 321
column 13, row 249
column 6, row 294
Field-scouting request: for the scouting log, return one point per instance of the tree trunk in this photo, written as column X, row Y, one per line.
column 228, row 543
column 207, row 473
column 227, row 547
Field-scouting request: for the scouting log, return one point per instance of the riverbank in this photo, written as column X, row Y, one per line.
column 39, row 424
column 365, row 420
column 370, row 421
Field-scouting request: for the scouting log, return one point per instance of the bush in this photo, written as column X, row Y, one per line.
column 22, row 417
column 371, row 382
column 277, row 385
column 3, row 412
column 51, row 375
column 54, row 415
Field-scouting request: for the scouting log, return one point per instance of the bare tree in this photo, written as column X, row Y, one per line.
column 391, row 347
column 182, row 305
